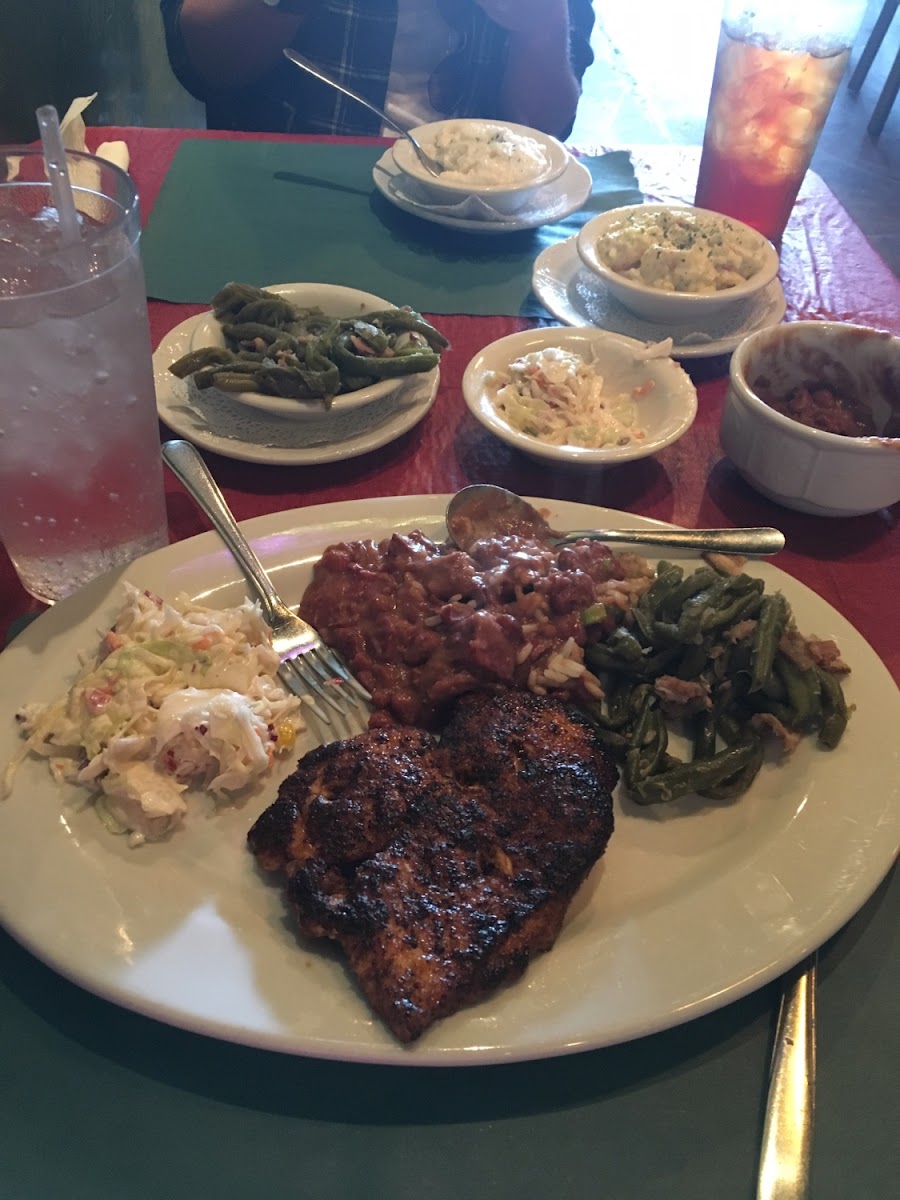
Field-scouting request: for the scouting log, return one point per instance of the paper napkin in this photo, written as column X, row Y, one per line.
column 72, row 129
column 73, row 134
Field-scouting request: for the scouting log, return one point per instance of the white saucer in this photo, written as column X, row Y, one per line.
column 575, row 296
column 212, row 420
column 553, row 202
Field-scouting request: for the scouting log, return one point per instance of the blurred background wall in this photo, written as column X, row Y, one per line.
column 54, row 50
column 647, row 85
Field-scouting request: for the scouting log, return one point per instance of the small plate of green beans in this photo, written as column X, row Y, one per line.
column 300, row 350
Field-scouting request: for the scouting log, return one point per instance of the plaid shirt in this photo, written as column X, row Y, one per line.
column 354, row 41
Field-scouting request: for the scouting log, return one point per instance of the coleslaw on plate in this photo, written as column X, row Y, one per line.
column 177, row 696
column 555, row 396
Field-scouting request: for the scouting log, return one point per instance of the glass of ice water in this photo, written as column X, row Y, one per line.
column 81, row 488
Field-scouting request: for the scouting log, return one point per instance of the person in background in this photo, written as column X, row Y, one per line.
column 419, row 60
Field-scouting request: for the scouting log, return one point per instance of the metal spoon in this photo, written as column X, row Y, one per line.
column 483, row 510
column 431, row 165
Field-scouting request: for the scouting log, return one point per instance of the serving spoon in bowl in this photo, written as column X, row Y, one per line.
column 485, row 510
column 431, row 165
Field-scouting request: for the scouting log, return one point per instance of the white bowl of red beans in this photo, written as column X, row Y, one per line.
column 812, row 416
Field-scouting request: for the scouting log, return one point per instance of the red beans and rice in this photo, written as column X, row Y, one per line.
column 421, row 623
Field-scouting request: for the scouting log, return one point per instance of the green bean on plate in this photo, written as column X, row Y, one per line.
column 710, row 655
column 277, row 348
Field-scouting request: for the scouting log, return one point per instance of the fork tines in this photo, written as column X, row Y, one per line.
column 325, row 677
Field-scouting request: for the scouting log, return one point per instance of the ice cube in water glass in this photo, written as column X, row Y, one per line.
column 28, row 246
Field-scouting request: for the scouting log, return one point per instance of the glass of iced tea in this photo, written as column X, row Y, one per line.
column 80, row 466
column 777, row 69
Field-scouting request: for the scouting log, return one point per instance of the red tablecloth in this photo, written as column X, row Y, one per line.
column 828, row 271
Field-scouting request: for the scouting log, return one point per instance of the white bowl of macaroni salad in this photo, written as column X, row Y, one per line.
column 580, row 396
column 673, row 262
column 502, row 163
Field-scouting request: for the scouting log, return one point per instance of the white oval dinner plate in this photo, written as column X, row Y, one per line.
column 691, row 907
column 553, row 202
column 216, row 421
column 576, row 296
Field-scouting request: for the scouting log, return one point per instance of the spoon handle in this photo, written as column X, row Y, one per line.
column 305, row 65
column 430, row 165
column 759, row 542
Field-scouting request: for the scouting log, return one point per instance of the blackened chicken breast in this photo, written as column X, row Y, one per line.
column 442, row 866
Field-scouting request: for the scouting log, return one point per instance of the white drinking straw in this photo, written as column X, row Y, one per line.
column 58, row 174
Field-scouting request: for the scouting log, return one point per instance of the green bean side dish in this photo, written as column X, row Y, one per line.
column 746, row 673
column 278, row 349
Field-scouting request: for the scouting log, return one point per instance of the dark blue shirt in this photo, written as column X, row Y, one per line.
column 354, row 40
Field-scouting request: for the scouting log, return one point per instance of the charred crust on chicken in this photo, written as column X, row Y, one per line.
column 442, row 866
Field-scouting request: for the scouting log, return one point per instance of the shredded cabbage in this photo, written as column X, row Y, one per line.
column 555, row 396
column 178, row 696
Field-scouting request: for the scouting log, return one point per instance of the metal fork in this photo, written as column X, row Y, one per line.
column 313, row 670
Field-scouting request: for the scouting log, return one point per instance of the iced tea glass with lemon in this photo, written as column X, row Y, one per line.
column 777, row 69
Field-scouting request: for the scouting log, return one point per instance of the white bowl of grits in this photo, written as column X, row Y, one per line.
column 580, row 396
column 503, row 164
column 670, row 262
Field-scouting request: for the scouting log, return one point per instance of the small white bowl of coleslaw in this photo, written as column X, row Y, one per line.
column 580, row 396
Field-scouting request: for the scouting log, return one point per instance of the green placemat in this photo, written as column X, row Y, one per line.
column 280, row 212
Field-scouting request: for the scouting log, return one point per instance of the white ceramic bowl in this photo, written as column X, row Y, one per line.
column 666, row 411
column 503, row 198
column 334, row 300
column 803, row 468
column 673, row 307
